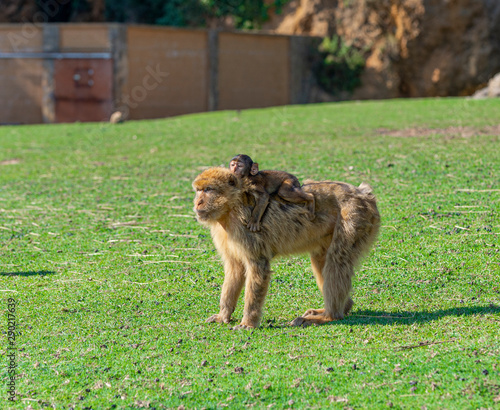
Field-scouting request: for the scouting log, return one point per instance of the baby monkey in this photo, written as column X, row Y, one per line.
column 266, row 183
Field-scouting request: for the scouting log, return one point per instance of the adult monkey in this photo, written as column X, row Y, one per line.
column 346, row 224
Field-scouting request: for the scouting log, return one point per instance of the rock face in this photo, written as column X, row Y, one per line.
column 415, row 48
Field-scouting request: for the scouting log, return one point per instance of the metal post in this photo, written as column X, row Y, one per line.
column 50, row 44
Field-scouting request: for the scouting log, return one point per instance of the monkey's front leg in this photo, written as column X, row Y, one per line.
column 257, row 282
column 234, row 280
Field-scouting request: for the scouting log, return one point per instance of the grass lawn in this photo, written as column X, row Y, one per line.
column 112, row 277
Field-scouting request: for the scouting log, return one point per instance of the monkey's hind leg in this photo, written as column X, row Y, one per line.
column 294, row 194
column 317, row 264
column 333, row 276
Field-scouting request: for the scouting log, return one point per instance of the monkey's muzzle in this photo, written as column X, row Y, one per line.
column 201, row 214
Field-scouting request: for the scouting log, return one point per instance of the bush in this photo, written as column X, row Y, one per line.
column 246, row 14
column 177, row 13
column 340, row 65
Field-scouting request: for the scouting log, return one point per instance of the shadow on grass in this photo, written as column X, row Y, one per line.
column 379, row 317
column 374, row 317
column 28, row 273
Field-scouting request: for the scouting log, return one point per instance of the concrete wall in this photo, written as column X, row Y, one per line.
column 83, row 72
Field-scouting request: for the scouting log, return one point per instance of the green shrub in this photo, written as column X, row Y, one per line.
column 248, row 14
column 340, row 65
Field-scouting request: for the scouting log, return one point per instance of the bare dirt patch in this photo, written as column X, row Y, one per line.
column 10, row 161
column 462, row 132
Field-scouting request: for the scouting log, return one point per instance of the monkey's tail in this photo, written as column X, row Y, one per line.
column 366, row 189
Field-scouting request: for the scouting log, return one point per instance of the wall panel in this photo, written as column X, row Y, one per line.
column 253, row 71
column 167, row 72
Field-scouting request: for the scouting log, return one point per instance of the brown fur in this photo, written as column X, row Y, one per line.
column 346, row 224
column 263, row 184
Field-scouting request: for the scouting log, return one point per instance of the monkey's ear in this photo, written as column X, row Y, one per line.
column 255, row 169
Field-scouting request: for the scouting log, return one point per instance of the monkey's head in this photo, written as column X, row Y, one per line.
column 242, row 166
column 217, row 192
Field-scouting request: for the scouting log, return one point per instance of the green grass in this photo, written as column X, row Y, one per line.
column 113, row 277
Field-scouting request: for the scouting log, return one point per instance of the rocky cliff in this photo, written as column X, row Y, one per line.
column 414, row 48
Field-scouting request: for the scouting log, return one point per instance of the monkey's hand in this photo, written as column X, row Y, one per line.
column 218, row 319
column 253, row 226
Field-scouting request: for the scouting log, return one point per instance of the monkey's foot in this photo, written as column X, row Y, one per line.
column 242, row 327
column 300, row 321
column 218, row 319
column 313, row 312
column 312, row 319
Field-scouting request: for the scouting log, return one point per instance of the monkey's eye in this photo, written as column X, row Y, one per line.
column 208, row 189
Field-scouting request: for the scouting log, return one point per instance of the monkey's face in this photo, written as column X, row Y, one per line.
column 238, row 168
column 205, row 204
column 214, row 197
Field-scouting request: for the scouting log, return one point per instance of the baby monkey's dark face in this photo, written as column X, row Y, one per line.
column 242, row 166
column 239, row 168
